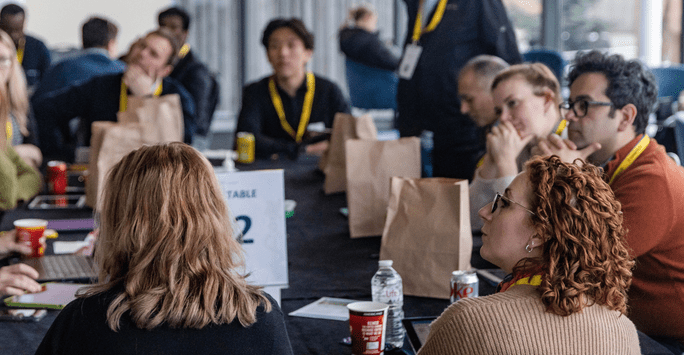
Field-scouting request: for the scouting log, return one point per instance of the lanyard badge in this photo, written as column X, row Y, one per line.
column 413, row 51
column 306, row 109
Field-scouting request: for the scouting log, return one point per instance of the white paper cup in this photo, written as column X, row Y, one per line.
column 367, row 325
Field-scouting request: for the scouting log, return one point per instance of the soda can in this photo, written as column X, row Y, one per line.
column 464, row 284
column 245, row 147
column 57, row 177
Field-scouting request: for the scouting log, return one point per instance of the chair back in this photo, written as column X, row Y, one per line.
column 371, row 88
column 551, row 59
column 670, row 81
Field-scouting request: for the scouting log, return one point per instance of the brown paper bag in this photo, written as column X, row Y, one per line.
column 370, row 165
column 161, row 118
column 333, row 164
column 146, row 121
column 427, row 233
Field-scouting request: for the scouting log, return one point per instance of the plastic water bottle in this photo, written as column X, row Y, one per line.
column 387, row 288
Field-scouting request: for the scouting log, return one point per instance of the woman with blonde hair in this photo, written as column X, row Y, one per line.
column 13, row 81
column 170, row 278
column 557, row 230
column 360, row 40
column 526, row 102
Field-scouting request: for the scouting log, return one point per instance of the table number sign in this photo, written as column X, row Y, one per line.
column 256, row 200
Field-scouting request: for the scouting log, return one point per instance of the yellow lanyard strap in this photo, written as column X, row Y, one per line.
column 306, row 109
column 8, row 129
column 631, row 157
column 20, row 51
column 418, row 26
column 184, row 51
column 123, row 97
column 561, row 126
column 533, row 281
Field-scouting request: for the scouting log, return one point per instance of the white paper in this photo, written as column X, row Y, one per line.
column 68, row 247
column 325, row 308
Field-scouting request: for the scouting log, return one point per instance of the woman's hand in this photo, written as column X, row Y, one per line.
column 18, row 279
column 504, row 145
column 8, row 243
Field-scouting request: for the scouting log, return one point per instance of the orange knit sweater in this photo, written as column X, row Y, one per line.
column 515, row 322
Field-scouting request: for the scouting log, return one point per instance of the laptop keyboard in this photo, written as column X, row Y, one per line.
column 66, row 266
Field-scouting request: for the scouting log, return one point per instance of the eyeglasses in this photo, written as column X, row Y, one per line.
column 498, row 196
column 581, row 106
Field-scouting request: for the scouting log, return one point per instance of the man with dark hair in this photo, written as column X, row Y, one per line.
column 278, row 109
column 189, row 71
column 442, row 36
column 99, row 99
column 31, row 52
column 610, row 101
column 96, row 58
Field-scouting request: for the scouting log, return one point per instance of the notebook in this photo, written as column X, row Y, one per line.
column 67, row 267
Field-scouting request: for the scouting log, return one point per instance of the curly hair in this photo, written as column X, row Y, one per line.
column 585, row 258
column 629, row 82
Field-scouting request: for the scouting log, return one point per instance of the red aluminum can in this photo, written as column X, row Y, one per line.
column 57, row 177
column 464, row 284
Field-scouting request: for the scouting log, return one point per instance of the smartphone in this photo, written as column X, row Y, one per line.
column 22, row 315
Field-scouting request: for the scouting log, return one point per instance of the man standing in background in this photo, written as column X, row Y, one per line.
column 442, row 36
column 31, row 52
column 189, row 71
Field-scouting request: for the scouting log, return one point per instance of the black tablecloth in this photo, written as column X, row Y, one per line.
column 323, row 262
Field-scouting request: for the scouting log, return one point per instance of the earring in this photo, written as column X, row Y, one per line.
column 529, row 248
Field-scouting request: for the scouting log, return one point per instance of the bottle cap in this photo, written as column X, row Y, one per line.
column 385, row 263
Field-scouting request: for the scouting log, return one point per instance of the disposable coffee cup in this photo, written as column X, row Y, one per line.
column 368, row 324
column 30, row 233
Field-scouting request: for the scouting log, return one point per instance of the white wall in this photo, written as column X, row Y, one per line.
column 58, row 22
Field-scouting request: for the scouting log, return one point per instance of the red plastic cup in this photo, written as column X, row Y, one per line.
column 30, row 232
column 367, row 324
column 57, row 177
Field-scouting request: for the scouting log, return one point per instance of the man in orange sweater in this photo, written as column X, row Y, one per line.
column 610, row 101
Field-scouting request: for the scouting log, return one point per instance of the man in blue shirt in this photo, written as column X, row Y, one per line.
column 31, row 52
column 99, row 47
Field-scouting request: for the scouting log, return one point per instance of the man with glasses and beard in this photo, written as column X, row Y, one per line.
column 610, row 101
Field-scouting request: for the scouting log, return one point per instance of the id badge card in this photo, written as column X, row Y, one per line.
column 410, row 60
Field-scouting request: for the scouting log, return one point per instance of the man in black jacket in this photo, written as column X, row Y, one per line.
column 189, row 71
column 451, row 33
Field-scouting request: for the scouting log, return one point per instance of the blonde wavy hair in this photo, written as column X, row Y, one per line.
column 585, row 259
column 536, row 74
column 166, row 242
column 16, row 87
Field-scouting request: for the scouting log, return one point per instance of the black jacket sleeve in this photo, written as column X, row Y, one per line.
column 198, row 82
column 499, row 32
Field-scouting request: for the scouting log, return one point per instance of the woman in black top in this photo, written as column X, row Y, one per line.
column 169, row 264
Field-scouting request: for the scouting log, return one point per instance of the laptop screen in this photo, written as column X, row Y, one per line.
column 417, row 330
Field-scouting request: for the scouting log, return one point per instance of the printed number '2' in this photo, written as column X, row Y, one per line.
column 248, row 224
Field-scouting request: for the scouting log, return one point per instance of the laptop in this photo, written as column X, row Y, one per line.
column 417, row 330
column 64, row 268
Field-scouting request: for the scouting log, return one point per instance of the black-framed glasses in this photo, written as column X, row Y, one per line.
column 581, row 106
column 499, row 196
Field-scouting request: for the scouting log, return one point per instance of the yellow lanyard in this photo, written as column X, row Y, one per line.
column 306, row 110
column 184, row 51
column 561, row 126
column 8, row 129
column 418, row 26
column 533, row 281
column 631, row 157
column 20, row 51
column 123, row 97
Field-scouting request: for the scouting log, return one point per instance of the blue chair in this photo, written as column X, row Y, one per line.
column 551, row 59
column 371, row 88
column 670, row 81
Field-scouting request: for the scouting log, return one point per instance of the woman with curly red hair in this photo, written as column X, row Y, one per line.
column 557, row 229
